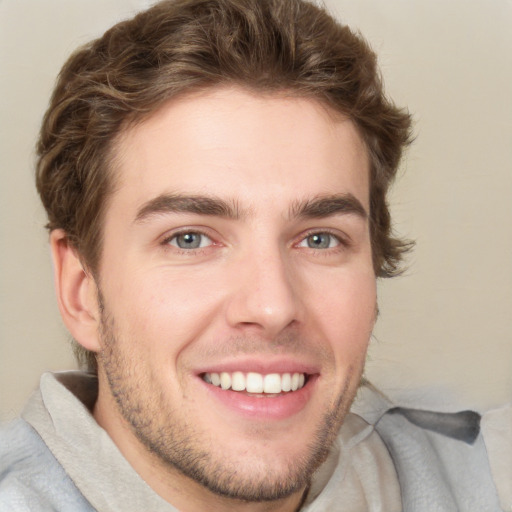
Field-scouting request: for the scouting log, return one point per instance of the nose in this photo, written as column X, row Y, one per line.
column 264, row 294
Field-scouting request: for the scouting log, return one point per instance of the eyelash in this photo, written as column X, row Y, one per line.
column 342, row 242
column 166, row 242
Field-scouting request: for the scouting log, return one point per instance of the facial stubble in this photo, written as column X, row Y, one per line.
column 180, row 446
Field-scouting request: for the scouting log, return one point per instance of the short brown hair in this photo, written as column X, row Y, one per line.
column 181, row 45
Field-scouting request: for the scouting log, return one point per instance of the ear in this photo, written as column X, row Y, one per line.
column 76, row 290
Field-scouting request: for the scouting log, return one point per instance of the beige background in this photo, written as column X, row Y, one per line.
column 444, row 336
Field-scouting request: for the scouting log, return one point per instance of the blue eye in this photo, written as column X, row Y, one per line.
column 320, row 241
column 190, row 240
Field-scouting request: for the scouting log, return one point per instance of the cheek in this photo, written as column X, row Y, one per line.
column 346, row 310
column 162, row 308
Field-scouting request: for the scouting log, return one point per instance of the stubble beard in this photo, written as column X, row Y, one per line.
column 179, row 446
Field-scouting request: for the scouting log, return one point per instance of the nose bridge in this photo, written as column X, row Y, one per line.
column 265, row 290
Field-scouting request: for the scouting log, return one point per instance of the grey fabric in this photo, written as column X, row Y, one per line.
column 60, row 412
column 359, row 475
column 440, row 459
column 463, row 425
column 31, row 479
column 438, row 472
column 496, row 427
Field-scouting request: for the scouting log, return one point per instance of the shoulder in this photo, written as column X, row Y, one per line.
column 441, row 460
column 31, row 479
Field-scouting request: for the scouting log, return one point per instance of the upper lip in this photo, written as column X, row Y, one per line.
column 263, row 365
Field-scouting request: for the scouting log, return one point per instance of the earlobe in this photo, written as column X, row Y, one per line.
column 76, row 290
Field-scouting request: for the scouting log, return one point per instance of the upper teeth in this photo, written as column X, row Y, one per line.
column 253, row 382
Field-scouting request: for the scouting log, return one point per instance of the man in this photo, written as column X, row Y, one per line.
column 215, row 178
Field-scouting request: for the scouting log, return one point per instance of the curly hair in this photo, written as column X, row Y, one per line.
column 178, row 46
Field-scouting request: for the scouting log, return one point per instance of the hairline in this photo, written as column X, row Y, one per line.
column 113, row 159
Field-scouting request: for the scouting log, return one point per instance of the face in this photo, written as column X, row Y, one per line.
column 237, row 288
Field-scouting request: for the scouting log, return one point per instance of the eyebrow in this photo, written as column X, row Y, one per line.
column 326, row 206
column 318, row 207
column 175, row 203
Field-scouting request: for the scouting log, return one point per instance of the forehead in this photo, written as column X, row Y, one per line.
column 252, row 147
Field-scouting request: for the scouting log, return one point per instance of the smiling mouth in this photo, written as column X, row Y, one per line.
column 257, row 383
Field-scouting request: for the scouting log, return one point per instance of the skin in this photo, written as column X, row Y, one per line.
column 276, row 175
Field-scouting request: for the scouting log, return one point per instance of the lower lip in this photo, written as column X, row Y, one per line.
column 277, row 407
